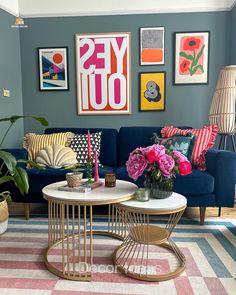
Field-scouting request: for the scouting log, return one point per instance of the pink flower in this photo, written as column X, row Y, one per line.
column 185, row 168
column 155, row 152
column 179, row 157
column 166, row 165
column 136, row 164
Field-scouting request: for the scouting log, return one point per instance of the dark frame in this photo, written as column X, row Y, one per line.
column 53, row 88
column 205, row 81
column 140, row 98
column 140, row 40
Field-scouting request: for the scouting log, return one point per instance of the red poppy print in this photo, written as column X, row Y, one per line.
column 191, row 57
column 191, row 43
column 184, row 66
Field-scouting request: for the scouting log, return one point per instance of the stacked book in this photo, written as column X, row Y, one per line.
column 83, row 188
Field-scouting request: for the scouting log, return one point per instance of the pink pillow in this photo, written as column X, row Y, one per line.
column 205, row 139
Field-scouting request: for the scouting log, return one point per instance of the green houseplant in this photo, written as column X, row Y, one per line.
column 9, row 171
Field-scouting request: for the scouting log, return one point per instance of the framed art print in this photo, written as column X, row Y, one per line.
column 191, row 57
column 152, row 91
column 103, row 73
column 53, row 68
column 152, row 49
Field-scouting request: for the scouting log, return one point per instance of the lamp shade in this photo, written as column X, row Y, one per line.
column 222, row 110
column 19, row 23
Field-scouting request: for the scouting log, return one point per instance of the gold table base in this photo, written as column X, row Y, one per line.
column 70, row 239
column 133, row 256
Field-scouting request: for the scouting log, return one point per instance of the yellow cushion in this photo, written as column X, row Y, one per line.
column 35, row 142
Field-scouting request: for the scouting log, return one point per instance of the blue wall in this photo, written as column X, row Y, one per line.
column 10, row 78
column 233, row 36
column 185, row 105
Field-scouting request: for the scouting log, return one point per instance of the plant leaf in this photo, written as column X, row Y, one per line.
column 9, row 160
column 6, row 178
column 14, row 118
column 21, row 180
column 41, row 120
column 196, row 68
column 198, row 56
column 187, row 56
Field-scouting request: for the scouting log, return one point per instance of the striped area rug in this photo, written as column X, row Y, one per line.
column 210, row 252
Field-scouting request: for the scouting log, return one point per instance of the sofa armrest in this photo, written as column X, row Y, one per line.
column 222, row 166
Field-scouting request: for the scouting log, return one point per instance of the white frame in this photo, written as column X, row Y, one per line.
column 81, row 111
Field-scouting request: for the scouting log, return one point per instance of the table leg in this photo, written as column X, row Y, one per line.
column 69, row 239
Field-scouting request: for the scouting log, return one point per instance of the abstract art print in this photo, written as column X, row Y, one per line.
column 53, row 68
column 152, row 91
column 191, row 57
column 152, row 46
column 103, row 73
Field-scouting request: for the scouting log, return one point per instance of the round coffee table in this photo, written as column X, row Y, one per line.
column 141, row 255
column 70, row 226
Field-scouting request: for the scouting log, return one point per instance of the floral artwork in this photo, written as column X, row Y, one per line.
column 152, row 91
column 191, row 58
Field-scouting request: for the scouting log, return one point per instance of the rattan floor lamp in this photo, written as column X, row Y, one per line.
column 222, row 110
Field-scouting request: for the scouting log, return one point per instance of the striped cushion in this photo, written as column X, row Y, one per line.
column 35, row 142
column 205, row 139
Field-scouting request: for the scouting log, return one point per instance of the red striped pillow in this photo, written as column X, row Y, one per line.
column 205, row 139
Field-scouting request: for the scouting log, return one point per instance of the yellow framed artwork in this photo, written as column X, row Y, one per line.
column 152, row 91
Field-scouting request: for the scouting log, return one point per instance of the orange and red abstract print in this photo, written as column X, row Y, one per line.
column 191, row 57
column 103, row 73
column 152, row 46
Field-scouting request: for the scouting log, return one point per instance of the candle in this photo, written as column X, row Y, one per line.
column 88, row 142
column 96, row 175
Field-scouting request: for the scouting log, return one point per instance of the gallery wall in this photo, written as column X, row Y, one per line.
column 185, row 105
column 10, row 79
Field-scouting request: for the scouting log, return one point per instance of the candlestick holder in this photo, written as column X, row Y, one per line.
column 89, row 169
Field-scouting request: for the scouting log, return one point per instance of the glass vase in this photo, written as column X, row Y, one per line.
column 159, row 189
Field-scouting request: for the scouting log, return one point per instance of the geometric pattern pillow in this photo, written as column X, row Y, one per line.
column 79, row 144
column 33, row 143
column 181, row 143
column 205, row 139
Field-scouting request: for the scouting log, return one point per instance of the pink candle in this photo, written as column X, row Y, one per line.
column 96, row 175
column 88, row 139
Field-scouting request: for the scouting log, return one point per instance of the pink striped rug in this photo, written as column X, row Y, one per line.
column 210, row 252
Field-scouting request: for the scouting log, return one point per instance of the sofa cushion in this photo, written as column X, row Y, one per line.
column 35, row 142
column 181, row 143
column 79, row 145
column 196, row 183
column 108, row 152
column 205, row 139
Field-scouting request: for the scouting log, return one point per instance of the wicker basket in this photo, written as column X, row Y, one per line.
column 3, row 216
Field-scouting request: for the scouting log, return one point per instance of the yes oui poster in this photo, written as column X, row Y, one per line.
column 103, row 73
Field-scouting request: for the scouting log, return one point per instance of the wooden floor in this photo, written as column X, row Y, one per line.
column 18, row 209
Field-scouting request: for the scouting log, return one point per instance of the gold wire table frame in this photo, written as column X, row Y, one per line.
column 133, row 257
column 70, row 227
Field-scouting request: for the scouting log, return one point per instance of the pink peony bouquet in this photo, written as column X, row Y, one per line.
column 157, row 162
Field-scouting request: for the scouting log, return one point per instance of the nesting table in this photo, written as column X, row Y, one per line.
column 70, row 232
column 70, row 226
column 137, row 256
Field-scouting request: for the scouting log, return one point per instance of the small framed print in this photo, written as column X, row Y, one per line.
column 152, row 46
column 53, row 68
column 191, row 57
column 103, row 62
column 152, row 91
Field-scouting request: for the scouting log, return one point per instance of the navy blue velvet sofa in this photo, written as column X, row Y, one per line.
column 214, row 187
